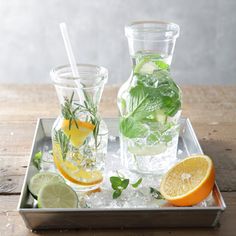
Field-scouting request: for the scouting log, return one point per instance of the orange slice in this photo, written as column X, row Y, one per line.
column 77, row 134
column 189, row 181
column 75, row 173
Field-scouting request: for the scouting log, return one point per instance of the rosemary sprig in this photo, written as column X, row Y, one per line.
column 68, row 111
column 63, row 141
column 91, row 108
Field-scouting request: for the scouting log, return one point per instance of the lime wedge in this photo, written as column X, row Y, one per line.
column 147, row 150
column 57, row 195
column 42, row 178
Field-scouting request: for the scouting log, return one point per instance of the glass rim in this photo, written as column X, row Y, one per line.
column 87, row 72
column 156, row 30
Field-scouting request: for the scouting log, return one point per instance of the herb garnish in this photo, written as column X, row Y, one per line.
column 63, row 141
column 150, row 93
column 91, row 108
column 37, row 160
column 135, row 185
column 155, row 193
column 120, row 183
column 68, row 111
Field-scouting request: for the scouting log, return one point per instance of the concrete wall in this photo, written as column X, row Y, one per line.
column 31, row 44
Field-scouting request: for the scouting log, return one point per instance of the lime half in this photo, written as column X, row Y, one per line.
column 147, row 150
column 42, row 178
column 57, row 195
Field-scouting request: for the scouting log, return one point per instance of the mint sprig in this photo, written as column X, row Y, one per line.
column 37, row 160
column 150, row 93
column 120, row 183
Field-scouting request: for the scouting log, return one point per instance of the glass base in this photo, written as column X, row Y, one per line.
column 149, row 160
column 81, row 188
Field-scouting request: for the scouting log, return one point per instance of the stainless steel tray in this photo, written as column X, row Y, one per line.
column 166, row 216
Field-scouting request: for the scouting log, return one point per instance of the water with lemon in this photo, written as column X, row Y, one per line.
column 79, row 145
column 150, row 107
column 79, row 135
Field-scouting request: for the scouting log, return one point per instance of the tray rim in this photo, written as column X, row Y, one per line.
column 222, row 206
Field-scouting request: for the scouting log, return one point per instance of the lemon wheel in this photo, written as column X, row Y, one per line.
column 78, row 176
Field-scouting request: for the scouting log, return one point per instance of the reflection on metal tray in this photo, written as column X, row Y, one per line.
column 107, row 217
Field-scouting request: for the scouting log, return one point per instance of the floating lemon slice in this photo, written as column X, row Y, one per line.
column 189, row 181
column 74, row 173
column 78, row 131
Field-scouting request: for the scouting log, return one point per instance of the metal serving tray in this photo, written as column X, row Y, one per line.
column 166, row 216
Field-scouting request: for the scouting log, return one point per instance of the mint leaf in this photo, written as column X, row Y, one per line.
column 141, row 104
column 37, row 160
column 116, row 194
column 162, row 65
column 135, row 185
column 120, row 183
column 115, row 181
column 131, row 128
column 125, row 183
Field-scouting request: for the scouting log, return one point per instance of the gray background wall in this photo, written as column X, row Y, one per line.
column 31, row 44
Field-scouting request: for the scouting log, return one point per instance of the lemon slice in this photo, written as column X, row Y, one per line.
column 57, row 195
column 77, row 175
column 78, row 131
column 189, row 181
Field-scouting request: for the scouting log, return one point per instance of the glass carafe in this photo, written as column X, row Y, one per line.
column 79, row 135
column 150, row 101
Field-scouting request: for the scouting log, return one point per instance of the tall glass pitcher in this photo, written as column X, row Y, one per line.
column 150, row 101
column 79, row 135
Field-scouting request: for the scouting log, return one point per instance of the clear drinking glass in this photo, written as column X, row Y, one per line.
column 150, row 101
column 79, row 135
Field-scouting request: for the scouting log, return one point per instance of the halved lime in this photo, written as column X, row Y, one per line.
column 57, row 195
column 147, row 150
column 42, row 178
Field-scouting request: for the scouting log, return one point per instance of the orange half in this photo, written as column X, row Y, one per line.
column 189, row 181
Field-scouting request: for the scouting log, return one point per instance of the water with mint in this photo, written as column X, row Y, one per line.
column 150, row 108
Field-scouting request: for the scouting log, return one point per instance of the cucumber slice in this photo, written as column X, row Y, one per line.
column 145, row 67
column 161, row 117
